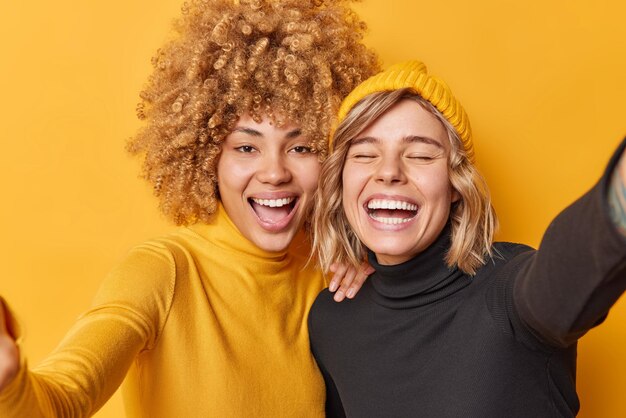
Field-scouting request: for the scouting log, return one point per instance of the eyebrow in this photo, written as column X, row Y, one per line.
column 406, row 139
column 253, row 132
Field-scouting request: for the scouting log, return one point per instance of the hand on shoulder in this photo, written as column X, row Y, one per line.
column 347, row 280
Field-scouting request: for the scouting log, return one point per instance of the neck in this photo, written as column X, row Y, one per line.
column 423, row 279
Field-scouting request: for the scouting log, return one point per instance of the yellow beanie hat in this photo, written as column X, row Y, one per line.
column 414, row 75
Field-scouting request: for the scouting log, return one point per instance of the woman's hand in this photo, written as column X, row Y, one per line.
column 617, row 195
column 347, row 280
column 9, row 353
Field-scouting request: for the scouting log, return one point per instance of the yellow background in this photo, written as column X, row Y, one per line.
column 543, row 82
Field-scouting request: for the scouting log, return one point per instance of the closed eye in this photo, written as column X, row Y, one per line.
column 362, row 156
column 421, row 157
column 363, row 151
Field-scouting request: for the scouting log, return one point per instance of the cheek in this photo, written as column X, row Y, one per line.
column 442, row 190
column 352, row 186
column 229, row 167
column 436, row 186
column 347, row 188
column 352, row 179
column 308, row 174
column 232, row 176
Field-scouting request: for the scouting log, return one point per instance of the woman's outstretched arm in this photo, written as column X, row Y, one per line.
column 92, row 360
column 579, row 271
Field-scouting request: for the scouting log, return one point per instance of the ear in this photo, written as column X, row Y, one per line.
column 456, row 196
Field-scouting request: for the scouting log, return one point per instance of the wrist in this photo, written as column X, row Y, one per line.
column 617, row 195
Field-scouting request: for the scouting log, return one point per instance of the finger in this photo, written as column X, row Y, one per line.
column 357, row 283
column 338, row 277
column 339, row 295
column 348, row 278
column 344, row 288
column 365, row 269
column 354, row 288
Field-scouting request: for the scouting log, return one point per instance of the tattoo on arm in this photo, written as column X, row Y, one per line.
column 617, row 196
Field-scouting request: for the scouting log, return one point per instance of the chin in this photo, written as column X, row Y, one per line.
column 392, row 258
column 274, row 242
column 396, row 252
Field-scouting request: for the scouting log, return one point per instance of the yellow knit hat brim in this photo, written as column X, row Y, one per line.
column 414, row 75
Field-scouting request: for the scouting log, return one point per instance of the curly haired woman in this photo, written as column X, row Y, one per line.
column 210, row 320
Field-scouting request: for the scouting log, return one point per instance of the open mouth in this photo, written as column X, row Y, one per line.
column 391, row 212
column 273, row 211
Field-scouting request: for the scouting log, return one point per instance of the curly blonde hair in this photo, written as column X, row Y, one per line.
column 287, row 60
column 473, row 219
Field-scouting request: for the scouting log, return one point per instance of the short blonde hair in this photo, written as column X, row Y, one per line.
column 288, row 60
column 472, row 217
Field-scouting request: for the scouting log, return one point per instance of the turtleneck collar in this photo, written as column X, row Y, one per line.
column 422, row 280
column 222, row 232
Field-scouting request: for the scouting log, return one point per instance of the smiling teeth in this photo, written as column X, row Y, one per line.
column 391, row 221
column 391, row 204
column 274, row 203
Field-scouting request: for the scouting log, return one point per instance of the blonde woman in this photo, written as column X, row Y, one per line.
column 451, row 324
column 210, row 320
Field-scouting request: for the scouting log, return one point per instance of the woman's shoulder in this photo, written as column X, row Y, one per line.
column 505, row 257
column 505, row 254
column 327, row 316
column 164, row 250
column 504, row 250
column 149, row 270
column 322, row 313
column 324, row 301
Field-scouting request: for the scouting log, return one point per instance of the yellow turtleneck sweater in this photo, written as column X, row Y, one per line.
column 201, row 322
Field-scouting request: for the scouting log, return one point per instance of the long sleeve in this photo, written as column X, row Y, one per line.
column 90, row 363
column 579, row 271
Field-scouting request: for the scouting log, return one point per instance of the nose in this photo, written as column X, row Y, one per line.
column 274, row 170
column 390, row 171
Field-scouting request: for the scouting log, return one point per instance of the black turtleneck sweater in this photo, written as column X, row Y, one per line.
column 423, row 340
